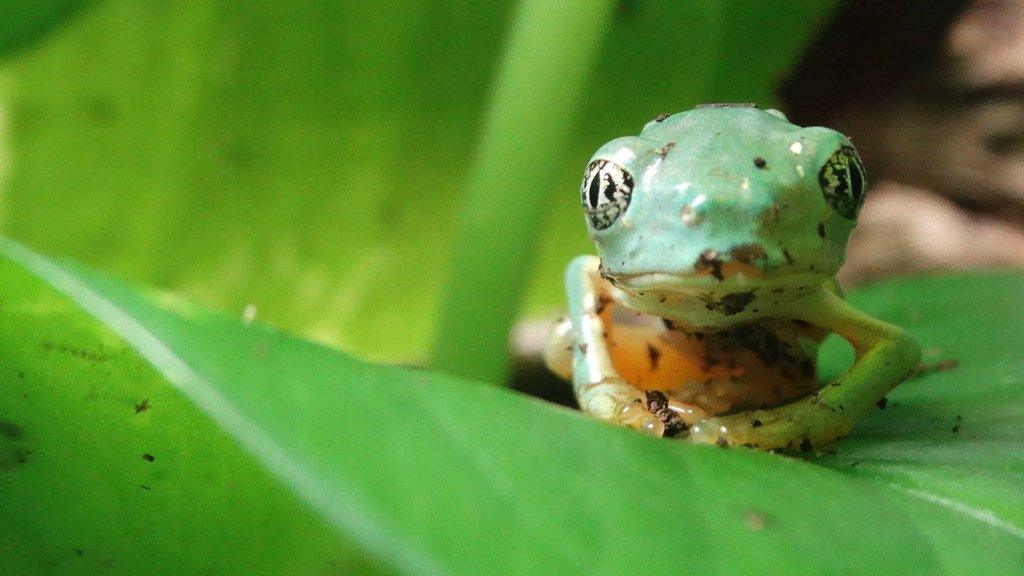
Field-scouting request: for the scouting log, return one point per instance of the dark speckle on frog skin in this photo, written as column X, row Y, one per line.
column 735, row 303
column 710, row 260
column 747, row 253
column 760, row 162
column 821, row 229
column 654, row 354
column 148, row 457
column 657, row 404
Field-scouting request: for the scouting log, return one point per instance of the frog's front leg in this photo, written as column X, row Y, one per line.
column 885, row 357
column 599, row 388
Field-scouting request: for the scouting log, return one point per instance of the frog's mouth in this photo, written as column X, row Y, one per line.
column 743, row 267
column 709, row 270
column 728, row 279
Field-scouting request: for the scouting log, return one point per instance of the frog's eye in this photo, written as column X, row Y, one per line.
column 843, row 181
column 606, row 191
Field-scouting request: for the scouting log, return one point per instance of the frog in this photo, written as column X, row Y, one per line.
column 719, row 232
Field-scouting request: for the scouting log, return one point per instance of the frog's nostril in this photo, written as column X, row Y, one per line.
column 690, row 215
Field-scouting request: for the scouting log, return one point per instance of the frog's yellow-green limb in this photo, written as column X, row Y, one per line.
column 599, row 388
column 886, row 355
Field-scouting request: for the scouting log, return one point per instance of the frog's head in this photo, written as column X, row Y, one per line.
column 723, row 196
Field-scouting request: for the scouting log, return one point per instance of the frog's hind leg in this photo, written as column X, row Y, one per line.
column 885, row 357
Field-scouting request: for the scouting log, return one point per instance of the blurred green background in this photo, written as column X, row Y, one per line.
column 317, row 162
column 308, row 158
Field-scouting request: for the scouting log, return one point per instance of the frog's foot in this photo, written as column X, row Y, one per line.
column 650, row 412
column 806, row 424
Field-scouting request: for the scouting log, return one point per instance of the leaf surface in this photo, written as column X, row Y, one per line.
column 433, row 475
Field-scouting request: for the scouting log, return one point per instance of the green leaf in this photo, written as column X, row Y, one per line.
column 955, row 435
column 434, row 475
column 105, row 468
column 24, row 22
column 308, row 157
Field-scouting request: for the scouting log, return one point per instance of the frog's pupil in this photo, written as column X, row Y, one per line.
column 856, row 180
column 596, row 178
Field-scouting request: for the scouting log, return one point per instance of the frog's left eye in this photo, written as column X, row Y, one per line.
column 606, row 192
column 842, row 181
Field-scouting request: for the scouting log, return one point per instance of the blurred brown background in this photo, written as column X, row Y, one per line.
column 932, row 93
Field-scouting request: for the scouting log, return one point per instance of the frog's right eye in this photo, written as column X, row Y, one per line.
column 842, row 181
column 606, row 192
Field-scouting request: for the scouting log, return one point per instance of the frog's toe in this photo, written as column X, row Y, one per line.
column 636, row 416
column 651, row 412
column 718, row 431
column 706, row 431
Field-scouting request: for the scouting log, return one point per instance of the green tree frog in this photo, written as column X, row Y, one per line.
column 718, row 232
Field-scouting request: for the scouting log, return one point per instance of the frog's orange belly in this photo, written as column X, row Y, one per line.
column 755, row 365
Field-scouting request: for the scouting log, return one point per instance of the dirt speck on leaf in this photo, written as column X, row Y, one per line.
column 74, row 352
column 756, row 520
column 10, row 429
column 940, row 366
column 9, row 460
